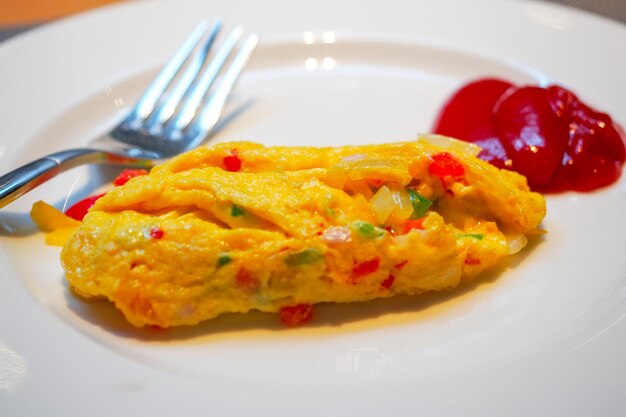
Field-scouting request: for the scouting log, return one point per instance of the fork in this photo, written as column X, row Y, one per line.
column 178, row 110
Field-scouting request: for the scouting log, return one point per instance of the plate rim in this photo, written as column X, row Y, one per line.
column 37, row 366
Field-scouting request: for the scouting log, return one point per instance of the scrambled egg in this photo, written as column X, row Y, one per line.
column 238, row 227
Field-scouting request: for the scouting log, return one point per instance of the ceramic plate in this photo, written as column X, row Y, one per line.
column 542, row 335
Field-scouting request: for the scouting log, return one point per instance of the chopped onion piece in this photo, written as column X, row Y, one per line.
column 451, row 144
column 401, row 240
column 516, row 243
column 353, row 157
column 403, row 204
column 337, row 234
column 383, row 204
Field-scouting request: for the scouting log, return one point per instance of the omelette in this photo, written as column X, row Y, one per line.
column 239, row 226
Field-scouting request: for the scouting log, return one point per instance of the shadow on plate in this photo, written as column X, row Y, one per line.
column 16, row 224
column 19, row 223
column 101, row 313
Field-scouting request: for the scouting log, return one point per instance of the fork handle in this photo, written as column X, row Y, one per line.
column 23, row 179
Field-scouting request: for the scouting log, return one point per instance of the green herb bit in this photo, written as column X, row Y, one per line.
column 237, row 211
column 477, row 236
column 223, row 259
column 305, row 257
column 420, row 204
column 368, row 230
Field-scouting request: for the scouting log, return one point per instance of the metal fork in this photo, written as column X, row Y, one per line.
column 176, row 112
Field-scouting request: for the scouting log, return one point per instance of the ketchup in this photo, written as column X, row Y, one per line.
column 547, row 134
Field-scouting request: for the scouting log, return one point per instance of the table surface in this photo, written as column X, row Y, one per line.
column 17, row 16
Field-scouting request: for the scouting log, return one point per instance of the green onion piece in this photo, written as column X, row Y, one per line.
column 477, row 236
column 223, row 259
column 237, row 211
column 420, row 204
column 305, row 257
column 368, row 230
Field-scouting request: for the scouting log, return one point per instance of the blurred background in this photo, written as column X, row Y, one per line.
column 17, row 16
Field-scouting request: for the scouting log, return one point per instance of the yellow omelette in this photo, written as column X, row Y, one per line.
column 238, row 226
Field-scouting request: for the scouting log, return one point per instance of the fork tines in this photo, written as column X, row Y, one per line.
column 180, row 100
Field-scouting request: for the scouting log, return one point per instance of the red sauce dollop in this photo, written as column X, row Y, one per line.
column 547, row 134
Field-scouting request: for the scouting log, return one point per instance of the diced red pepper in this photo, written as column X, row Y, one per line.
column 246, row 281
column 156, row 233
column 296, row 314
column 391, row 230
column 388, row 282
column 232, row 162
column 470, row 260
column 375, row 182
column 364, row 268
column 80, row 209
column 401, row 265
column 417, row 224
column 127, row 174
column 445, row 165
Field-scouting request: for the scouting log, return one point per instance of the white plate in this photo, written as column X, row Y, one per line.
column 543, row 335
